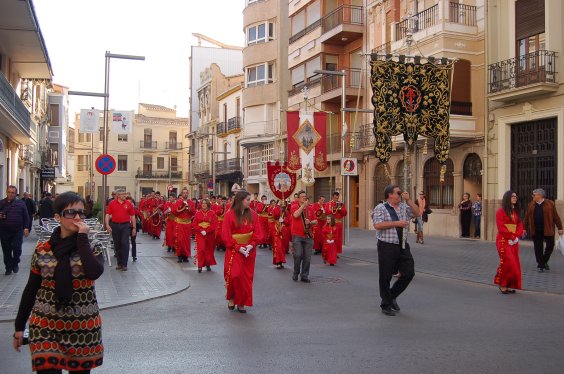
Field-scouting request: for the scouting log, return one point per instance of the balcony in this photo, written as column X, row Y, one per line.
column 462, row 14
column 309, row 83
column 202, row 169
column 227, row 168
column 522, row 77
column 260, row 132
column 383, row 49
column 331, row 86
column 421, row 21
column 141, row 174
column 461, row 108
column 173, row 146
column 232, row 126
column 148, row 144
column 343, row 25
column 300, row 34
column 364, row 139
column 18, row 121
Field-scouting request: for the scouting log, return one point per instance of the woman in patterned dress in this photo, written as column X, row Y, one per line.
column 59, row 300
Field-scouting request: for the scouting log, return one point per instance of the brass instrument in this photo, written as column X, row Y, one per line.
column 307, row 226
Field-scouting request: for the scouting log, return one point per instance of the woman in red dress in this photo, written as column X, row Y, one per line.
column 509, row 230
column 329, row 233
column 204, row 224
column 169, row 226
column 241, row 233
column 275, row 227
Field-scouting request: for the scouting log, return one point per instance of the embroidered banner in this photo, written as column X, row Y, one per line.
column 320, row 123
column 293, row 123
column 281, row 181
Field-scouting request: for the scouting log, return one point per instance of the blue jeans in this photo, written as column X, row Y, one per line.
column 11, row 247
column 477, row 220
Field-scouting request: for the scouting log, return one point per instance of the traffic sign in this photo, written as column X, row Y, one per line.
column 105, row 164
column 349, row 166
column 170, row 188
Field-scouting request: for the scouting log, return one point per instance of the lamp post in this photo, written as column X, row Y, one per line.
column 106, row 104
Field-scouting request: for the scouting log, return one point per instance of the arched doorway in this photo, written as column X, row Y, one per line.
column 400, row 176
column 381, row 180
column 472, row 174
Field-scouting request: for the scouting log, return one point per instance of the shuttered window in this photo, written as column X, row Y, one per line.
column 529, row 18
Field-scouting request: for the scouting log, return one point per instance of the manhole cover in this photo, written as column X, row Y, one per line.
column 320, row 279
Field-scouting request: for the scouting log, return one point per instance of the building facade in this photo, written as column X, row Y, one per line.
column 525, row 129
column 265, row 90
column 25, row 79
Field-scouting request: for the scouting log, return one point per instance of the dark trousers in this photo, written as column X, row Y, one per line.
column 121, row 233
column 465, row 219
column 11, row 247
column 542, row 255
column 391, row 259
column 302, row 255
column 57, row 371
column 477, row 221
column 134, row 245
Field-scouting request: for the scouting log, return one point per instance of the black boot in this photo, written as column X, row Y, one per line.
column 180, row 259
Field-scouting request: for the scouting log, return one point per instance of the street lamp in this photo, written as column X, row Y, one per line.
column 106, row 103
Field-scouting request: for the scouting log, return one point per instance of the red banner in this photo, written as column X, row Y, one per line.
column 282, row 182
column 293, row 123
column 320, row 124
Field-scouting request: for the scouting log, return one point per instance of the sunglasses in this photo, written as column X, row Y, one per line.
column 71, row 213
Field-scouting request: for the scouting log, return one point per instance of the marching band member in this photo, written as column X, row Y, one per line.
column 262, row 211
column 275, row 227
column 255, row 202
column 338, row 210
column 143, row 207
column 241, row 233
column 319, row 209
column 156, row 216
column 170, row 223
column 286, row 225
column 329, row 248
column 204, row 224
column 183, row 211
column 220, row 210
column 302, row 236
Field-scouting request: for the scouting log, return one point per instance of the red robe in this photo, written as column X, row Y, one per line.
column 207, row 222
column 170, row 228
column 144, row 215
column 275, row 227
column 286, row 231
column 239, row 270
column 329, row 249
column 253, row 205
column 262, row 211
column 183, row 218
column 318, row 241
column 219, row 210
column 339, row 214
column 509, row 269
column 156, row 218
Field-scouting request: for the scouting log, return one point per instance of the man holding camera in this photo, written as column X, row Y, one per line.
column 14, row 224
column 303, row 220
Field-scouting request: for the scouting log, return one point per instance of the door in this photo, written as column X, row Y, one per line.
column 354, row 212
column 533, row 158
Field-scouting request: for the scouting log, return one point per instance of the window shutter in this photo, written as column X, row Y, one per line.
column 529, row 18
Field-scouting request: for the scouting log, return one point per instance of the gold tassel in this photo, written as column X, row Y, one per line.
column 425, row 148
column 443, row 172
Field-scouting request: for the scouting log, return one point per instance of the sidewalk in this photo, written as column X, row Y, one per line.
column 155, row 274
column 464, row 259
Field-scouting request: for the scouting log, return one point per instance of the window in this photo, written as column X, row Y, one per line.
column 84, row 138
column 160, row 162
column 461, row 96
column 306, row 70
column 173, row 164
column 147, row 164
column 84, row 163
column 122, row 163
column 101, row 134
column 261, row 33
column 440, row 194
column 260, row 74
column 70, row 139
column 122, row 137
column 254, row 162
column 54, row 114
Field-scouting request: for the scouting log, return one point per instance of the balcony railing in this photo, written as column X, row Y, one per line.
column 173, row 146
column 345, row 14
column 309, row 82
column 462, row 14
column 159, row 174
column 202, row 168
column 297, row 36
column 233, row 123
column 148, row 144
column 333, row 82
column 384, row 48
column 13, row 105
column 422, row 20
column 536, row 67
column 461, row 108
column 231, row 165
column 364, row 138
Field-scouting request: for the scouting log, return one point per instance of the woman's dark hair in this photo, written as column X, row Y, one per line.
column 242, row 214
column 65, row 199
column 332, row 219
column 508, row 208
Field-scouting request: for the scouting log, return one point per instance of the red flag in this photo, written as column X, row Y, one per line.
column 293, row 123
column 281, row 181
column 320, row 124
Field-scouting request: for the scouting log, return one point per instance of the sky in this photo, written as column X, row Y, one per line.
column 79, row 32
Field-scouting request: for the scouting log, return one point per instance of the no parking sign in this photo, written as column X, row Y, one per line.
column 105, row 164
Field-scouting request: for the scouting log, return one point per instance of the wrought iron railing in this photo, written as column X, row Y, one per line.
column 363, row 138
column 149, row 174
column 309, row 82
column 384, row 48
column 345, row 14
column 332, row 82
column 535, row 67
column 462, row 14
column 233, row 123
column 461, row 107
column 148, row 144
column 297, row 36
column 231, row 165
column 422, row 20
column 13, row 105
column 202, row 168
column 173, row 146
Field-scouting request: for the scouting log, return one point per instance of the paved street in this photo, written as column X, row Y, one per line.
column 452, row 320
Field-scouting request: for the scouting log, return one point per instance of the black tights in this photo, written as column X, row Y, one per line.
column 59, row 371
